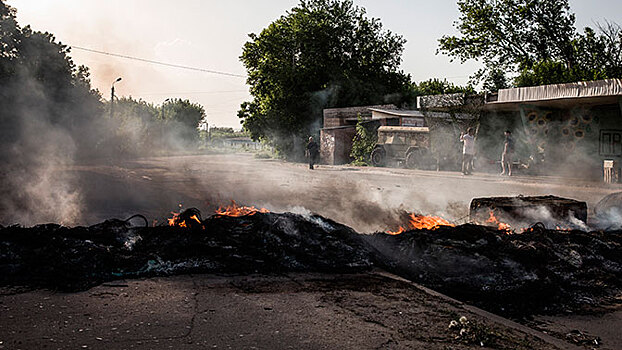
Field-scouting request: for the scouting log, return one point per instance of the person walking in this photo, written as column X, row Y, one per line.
column 312, row 152
column 508, row 154
column 468, row 151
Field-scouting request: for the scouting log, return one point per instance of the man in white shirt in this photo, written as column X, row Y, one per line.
column 468, row 151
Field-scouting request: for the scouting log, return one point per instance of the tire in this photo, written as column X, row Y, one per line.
column 378, row 157
column 413, row 160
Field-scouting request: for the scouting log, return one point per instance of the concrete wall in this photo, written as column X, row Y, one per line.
column 568, row 142
column 336, row 145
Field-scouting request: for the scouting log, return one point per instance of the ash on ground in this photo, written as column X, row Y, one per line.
column 538, row 271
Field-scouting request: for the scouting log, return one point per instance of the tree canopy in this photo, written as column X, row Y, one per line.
column 41, row 89
column 320, row 54
column 537, row 41
column 436, row 86
column 182, row 117
column 141, row 128
column 48, row 115
column 181, row 111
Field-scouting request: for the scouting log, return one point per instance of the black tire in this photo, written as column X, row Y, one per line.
column 378, row 157
column 413, row 160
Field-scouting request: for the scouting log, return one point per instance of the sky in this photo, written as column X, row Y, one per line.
column 209, row 34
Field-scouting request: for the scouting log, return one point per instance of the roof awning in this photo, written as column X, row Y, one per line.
column 559, row 95
column 398, row 112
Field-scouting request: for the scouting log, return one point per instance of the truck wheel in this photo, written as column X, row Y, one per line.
column 412, row 160
column 378, row 157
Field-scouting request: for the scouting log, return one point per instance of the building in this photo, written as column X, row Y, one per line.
column 560, row 129
column 339, row 129
column 240, row 143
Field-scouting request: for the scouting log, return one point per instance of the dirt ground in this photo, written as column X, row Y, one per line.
column 367, row 199
column 294, row 311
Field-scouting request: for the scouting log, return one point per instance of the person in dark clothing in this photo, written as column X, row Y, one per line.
column 312, row 152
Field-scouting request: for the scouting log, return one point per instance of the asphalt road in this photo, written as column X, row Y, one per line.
column 294, row 311
column 365, row 198
column 303, row 312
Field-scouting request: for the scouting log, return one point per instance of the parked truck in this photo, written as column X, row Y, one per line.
column 403, row 144
column 428, row 148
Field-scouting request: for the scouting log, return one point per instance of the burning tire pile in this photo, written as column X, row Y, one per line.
column 516, row 274
column 53, row 256
column 536, row 271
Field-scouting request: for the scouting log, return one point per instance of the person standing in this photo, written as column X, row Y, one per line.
column 468, row 151
column 312, row 152
column 508, row 153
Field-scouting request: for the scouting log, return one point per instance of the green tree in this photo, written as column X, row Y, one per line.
column 182, row 119
column 512, row 34
column 545, row 72
column 534, row 40
column 39, row 84
column 364, row 142
column 183, row 112
column 321, row 53
column 436, row 86
column 136, row 129
column 598, row 55
column 600, row 52
column 144, row 128
column 49, row 116
column 495, row 80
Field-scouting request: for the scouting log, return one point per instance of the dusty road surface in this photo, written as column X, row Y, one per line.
column 367, row 199
column 294, row 311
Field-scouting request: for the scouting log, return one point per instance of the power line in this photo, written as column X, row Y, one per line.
column 158, row 62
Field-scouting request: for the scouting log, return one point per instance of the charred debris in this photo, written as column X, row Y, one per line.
column 537, row 270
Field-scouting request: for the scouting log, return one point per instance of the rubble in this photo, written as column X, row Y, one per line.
column 515, row 274
column 77, row 258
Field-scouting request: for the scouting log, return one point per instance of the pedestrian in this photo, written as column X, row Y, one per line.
column 312, row 152
column 468, row 151
column 508, row 154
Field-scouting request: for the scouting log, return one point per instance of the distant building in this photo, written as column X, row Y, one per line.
column 241, row 143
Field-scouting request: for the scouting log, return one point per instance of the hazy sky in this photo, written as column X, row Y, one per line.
column 209, row 34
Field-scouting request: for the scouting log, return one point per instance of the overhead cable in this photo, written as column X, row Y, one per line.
column 158, row 62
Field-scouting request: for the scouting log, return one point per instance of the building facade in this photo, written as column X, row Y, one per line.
column 561, row 129
column 339, row 129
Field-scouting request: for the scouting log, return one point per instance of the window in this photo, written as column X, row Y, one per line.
column 610, row 143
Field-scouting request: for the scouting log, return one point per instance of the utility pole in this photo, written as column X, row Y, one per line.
column 112, row 97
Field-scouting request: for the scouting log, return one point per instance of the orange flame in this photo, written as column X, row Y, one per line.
column 500, row 225
column 235, row 210
column 421, row 222
column 176, row 221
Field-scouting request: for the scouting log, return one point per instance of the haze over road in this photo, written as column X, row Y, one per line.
column 367, row 199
